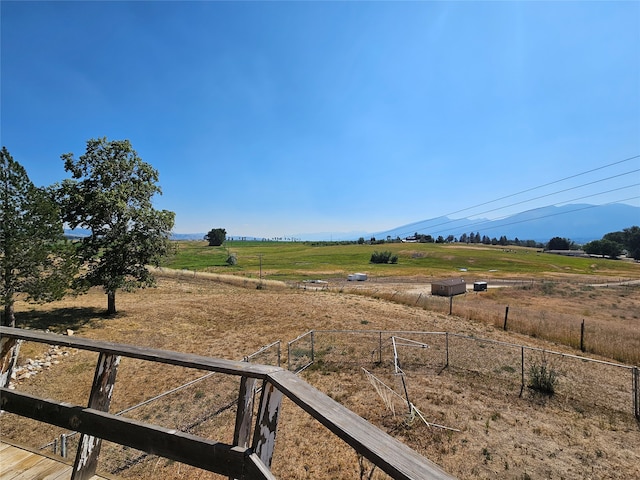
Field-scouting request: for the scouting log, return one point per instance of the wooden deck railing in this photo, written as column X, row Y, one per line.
column 248, row 457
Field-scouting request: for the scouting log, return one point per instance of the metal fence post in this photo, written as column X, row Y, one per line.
column 63, row 445
column 635, row 372
column 313, row 356
column 446, row 336
column 522, row 370
column 279, row 353
column 380, row 351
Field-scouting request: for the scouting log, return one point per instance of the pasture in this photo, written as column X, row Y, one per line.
column 303, row 260
column 218, row 311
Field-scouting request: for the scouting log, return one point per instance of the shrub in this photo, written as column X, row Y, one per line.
column 543, row 377
column 383, row 257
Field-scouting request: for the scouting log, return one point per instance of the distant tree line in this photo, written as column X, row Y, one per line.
column 473, row 237
column 612, row 245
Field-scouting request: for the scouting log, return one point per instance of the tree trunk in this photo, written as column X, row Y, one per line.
column 111, row 303
column 8, row 319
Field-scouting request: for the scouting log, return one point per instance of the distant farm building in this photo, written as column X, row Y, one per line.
column 448, row 287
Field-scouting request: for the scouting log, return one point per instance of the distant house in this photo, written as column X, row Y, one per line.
column 448, row 287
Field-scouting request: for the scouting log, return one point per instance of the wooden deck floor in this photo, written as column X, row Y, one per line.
column 21, row 463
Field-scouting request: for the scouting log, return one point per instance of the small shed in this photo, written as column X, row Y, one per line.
column 448, row 287
column 480, row 286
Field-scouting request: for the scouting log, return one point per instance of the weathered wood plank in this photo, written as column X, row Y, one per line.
column 99, row 399
column 9, row 348
column 45, row 466
column 392, row 456
column 182, row 447
column 244, row 414
column 41, row 468
column 229, row 367
column 264, row 437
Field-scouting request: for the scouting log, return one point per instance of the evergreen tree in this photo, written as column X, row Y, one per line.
column 35, row 258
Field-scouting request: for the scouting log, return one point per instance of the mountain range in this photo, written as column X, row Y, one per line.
column 580, row 223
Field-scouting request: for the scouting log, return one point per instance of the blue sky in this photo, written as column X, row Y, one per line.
column 284, row 118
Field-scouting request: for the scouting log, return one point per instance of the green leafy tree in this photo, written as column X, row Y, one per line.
column 35, row 259
column 628, row 239
column 110, row 194
column 558, row 243
column 632, row 241
column 216, row 237
column 604, row 247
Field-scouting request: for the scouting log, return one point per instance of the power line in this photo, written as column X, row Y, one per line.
column 550, row 195
column 415, row 227
column 545, row 185
column 586, row 207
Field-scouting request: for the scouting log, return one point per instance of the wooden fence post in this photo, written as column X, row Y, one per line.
column 264, row 437
column 582, row 337
column 104, row 381
column 380, row 350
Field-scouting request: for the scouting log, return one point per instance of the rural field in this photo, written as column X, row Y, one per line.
column 494, row 427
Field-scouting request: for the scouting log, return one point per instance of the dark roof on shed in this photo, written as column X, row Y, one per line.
column 448, row 281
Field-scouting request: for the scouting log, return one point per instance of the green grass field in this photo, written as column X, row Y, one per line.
column 303, row 260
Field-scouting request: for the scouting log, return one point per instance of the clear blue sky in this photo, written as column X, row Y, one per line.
column 283, row 118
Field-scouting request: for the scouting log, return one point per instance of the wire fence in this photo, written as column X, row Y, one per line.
column 204, row 406
column 581, row 380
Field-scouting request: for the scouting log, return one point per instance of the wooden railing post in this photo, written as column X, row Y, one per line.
column 104, row 381
column 264, row 437
column 9, row 348
column 244, row 415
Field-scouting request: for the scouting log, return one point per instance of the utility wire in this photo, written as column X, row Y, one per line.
column 547, row 195
column 545, row 185
column 483, row 222
column 586, row 207
column 415, row 227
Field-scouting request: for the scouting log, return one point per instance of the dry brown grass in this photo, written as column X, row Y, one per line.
column 502, row 435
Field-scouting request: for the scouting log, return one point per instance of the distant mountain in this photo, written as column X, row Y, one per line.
column 578, row 222
column 187, row 236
